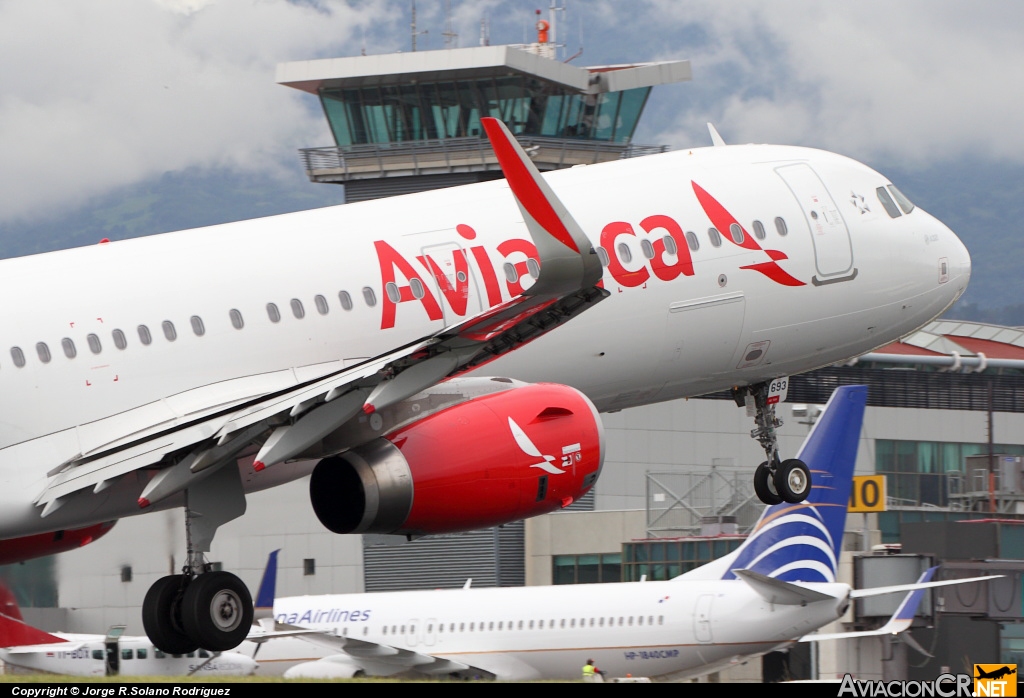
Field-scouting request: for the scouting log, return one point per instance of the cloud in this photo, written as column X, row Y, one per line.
column 96, row 95
column 916, row 81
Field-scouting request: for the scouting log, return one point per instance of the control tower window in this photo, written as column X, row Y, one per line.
column 381, row 114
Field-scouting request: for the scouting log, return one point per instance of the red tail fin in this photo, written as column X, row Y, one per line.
column 9, row 604
column 14, row 633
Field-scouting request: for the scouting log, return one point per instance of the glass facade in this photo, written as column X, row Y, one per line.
column 659, row 560
column 586, row 569
column 918, row 473
column 452, row 109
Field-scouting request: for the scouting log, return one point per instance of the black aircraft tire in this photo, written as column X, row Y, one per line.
column 161, row 617
column 217, row 611
column 793, row 480
column 763, row 485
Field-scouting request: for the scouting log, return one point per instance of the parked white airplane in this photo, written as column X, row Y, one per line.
column 778, row 587
column 191, row 368
column 24, row 649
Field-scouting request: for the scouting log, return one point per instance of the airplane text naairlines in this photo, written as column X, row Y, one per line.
column 439, row 360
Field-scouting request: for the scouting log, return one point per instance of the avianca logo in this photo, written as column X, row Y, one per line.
column 570, row 453
column 405, row 281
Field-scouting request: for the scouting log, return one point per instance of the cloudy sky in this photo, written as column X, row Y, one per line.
column 99, row 94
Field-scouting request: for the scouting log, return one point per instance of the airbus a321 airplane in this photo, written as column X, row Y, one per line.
column 777, row 588
column 369, row 344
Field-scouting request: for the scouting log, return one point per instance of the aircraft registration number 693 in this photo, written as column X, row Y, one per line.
column 778, row 389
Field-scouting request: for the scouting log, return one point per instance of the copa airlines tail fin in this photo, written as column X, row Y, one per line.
column 264, row 605
column 801, row 542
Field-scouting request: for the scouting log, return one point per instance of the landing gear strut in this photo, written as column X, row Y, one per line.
column 775, row 480
column 201, row 607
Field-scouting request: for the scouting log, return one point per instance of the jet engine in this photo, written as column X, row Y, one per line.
column 487, row 461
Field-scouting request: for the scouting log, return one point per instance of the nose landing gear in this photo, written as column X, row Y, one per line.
column 775, row 480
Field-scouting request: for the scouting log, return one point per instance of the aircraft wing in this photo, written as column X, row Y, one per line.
column 45, row 648
column 190, row 444
column 374, row 658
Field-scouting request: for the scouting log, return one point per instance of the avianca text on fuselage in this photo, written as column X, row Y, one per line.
column 668, row 259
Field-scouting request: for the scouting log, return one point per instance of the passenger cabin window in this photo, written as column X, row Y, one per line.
column 94, row 343
column 236, row 319
column 417, row 289
column 510, row 273
column 887, row 203
column 297, row 309
column 647, row 249
column 602, row 256
column 68, row 345
column 141, row 653
column 624, row 253
column 391, row 288
column 43, row 351
column 369, row 296
column 273, row 313
column 691, row 241
column 120, row 341
column 321, row 305
column 759, row 232
column 533, row 267
column 736, row 231
column 144, row 336
column 169, row 332
column 197, row 325
column 127, row 654
column 670, row 244
column 902, row 200
column 780, row 227
column 345, row 299
column 715, row 237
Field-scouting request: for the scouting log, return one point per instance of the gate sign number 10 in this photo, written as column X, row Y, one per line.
column 868, row 493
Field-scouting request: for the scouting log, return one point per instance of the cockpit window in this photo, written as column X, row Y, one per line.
column 902, row 200
column 887, row 202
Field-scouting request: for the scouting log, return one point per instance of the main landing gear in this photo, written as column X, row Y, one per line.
column 775, row 480
column 201, row 607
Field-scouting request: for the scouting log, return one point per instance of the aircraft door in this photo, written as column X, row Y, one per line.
column 452, row 280
column 833, row 250
column 111, row 651
column 702, row 618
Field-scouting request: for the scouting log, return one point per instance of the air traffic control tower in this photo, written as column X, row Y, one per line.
column 406, row 122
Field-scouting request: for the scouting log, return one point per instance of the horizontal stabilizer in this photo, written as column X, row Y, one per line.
column 779, row 592
column 904, row 615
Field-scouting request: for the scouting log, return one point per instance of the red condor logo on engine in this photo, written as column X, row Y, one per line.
column 570, row 453
column 415, row 281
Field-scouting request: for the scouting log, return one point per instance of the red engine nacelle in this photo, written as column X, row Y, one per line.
column 485, row 462
column 28, row 547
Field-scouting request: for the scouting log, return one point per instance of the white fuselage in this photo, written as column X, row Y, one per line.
column 658, row 629
column 86, row 655
column 101, row 342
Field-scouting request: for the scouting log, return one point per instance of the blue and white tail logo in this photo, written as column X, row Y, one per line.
column 801, row 542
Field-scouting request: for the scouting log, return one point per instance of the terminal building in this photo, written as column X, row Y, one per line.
column 944, row 424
